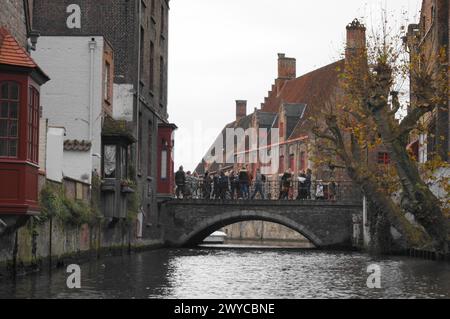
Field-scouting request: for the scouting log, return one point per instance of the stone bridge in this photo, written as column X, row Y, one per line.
column 326, row 224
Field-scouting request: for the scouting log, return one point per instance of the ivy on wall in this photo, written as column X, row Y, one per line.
column 57, row 205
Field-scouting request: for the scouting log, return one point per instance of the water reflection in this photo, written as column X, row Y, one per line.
column 240, row 273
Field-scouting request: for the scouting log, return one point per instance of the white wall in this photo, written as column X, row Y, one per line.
column 66, row 97
column 123, row 102
column 78, row 165
column 55, row 147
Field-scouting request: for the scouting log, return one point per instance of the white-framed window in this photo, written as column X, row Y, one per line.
column 423, row 148
column 164, row 164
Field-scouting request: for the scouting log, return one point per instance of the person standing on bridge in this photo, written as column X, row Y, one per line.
column 320, row 191
column 244, row 180
column 206, row 186
column 332, row 191
column 308, row 183
column 224, row 185
column 189, row 187
column 195, row 186
column 259, row 185
column 234, row 185
column 216, row 186
column 302, row 187
column 180, row 181
column 286, row 184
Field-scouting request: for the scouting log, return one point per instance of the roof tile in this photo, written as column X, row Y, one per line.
column 11, row 53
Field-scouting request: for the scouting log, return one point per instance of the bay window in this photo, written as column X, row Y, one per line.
column 20, row 82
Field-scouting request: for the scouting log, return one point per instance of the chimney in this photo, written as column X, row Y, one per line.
column 287, row 67
column 241, row 109
column 356, row 39
column 287, row 70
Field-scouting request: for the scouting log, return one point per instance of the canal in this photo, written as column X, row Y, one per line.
column 225, row 273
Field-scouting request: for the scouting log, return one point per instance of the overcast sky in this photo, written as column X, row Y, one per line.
column 224, row 50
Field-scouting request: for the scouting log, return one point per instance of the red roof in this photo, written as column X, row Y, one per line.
column 11, row 53
column 308, row 89
column 312, row 89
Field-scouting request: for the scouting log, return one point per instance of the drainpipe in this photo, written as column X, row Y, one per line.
column 365, row 224
column 92, row 47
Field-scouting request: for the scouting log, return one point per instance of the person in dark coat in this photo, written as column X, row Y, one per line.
column 244, row 182
column 260, row 179
column 206, row 187
column 180, row 181
column 308, row 183
column 302, row 187
column 234, row 185
column 286, row 184
column 224, row 186
column 216, row 187
column 332, row 191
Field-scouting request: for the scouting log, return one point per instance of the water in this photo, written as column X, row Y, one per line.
column 240, row 273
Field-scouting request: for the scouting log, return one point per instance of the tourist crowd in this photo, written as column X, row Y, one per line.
column 242, row 185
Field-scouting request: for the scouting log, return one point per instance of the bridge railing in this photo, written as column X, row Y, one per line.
column 275, row 190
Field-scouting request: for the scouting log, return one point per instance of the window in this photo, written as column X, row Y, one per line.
column 161, row 79
column 107, row 82
column 123, row 162
column 292, row 162
column 423, row 138
column 109, row 161
column 302, row 161
column 384, row 158
column 152, row 65
column 79, row 191
column 140, row 144
column 149, row 149
column 281, row 129
column 281, row 165
column 33, row 125
column 9, row 119
column 164, row 164
column 141, row 48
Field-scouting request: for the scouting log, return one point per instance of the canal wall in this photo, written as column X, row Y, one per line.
column 260, row 230
column 36, row 246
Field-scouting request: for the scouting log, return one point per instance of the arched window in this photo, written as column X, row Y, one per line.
column 9, row 119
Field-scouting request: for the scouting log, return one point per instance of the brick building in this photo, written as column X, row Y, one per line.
column 15, row 15
column 138, row 33
column 429, row 38
column 289, row 106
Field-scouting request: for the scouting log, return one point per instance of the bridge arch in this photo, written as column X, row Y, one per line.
column 206, row 227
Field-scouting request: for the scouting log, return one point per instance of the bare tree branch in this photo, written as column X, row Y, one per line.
column 396, row 106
